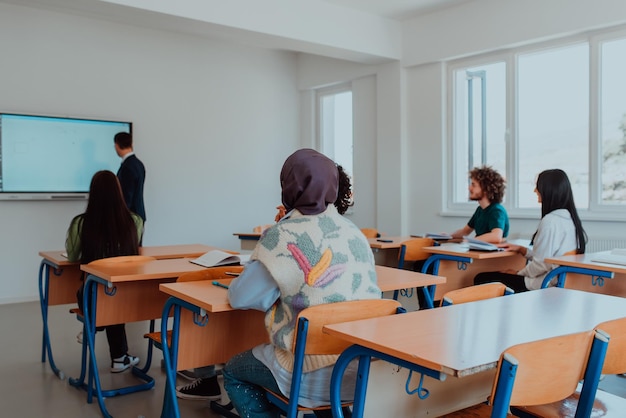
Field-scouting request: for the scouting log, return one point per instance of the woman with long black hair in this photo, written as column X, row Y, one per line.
column 560, row 231
column 106, row 229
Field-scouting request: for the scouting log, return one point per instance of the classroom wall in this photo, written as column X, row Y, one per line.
column 213, row 123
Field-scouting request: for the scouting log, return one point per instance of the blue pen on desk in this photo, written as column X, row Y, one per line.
column 218, row 284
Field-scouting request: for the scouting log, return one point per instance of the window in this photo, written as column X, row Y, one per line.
column 480, row 122
column 335, row 125
column 613, row 122
column 531, row 109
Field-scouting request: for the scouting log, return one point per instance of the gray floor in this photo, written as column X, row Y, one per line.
column 28, row 388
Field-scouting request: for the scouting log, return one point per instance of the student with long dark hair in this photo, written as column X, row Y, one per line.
column 560, row 231
column 106, row 229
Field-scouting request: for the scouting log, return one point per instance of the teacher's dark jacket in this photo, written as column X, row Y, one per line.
column 132, row 175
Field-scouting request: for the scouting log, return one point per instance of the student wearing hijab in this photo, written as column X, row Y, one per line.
column 284, row 277
column 344, row 195
column 560, row 231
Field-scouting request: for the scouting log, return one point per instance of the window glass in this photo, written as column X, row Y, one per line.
column 336, row 137
column 480, row 122
column 553, row 119
column 613, row 122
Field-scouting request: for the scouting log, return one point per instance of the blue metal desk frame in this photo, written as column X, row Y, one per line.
column 45, row 268
column 89, row 368
column 364, row 355
column 434, row 260
column 597, row 275
column 170, row 355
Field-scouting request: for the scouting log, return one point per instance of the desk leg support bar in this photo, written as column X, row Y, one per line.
column 92, row 372
column 597, row 276
column 170, row 350
column 44, row 287
column 364, row 355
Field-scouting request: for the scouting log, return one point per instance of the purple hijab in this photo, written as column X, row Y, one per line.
column 309, row 182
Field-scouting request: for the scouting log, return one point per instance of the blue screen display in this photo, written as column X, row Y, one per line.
column 42, row 154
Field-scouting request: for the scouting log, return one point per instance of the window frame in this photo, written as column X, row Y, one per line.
column 596, row 210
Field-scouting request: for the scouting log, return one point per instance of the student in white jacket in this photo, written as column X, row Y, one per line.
column 560, row 231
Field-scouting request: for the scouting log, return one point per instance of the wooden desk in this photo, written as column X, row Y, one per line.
column 248, row 240
column 66, row 279
column 460, row 265
column 394, row 279
column 466, row 339
column 584, row 274
column 207, row 305
column 123, row 292
column 386, row 253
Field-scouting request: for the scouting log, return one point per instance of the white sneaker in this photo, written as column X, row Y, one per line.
column 123, row 363
column 79, row 338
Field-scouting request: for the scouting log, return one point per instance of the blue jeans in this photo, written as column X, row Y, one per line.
column 245, row 378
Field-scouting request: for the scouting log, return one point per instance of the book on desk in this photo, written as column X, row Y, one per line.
column 215, row 258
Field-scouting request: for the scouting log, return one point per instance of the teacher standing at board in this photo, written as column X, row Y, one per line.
column 131, row 174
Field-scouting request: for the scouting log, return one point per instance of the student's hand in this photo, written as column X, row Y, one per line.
column 512, row 247
column 510, row 271
column 281, row 212
column 509, row 247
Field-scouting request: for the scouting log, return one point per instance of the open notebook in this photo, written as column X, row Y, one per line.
column 216, row 258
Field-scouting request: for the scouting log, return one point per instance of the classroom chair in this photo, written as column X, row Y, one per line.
column 309, row 339
column 474, row 293
column 370, row 232
column 544, row 371
column 606, row 405
column 413, row 250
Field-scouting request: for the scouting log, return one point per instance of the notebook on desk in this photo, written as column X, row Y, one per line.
column 616, row 256
column 478, row 245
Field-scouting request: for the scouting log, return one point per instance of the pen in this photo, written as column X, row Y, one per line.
column 218, row 284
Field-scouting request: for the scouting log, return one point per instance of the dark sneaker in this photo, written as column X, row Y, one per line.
column 200, row 389
column 187, row 374
column 123, row 363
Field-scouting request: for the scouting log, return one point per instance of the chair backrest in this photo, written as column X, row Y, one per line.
column 309, row 338
column 122, row 259
column 370, row 232
column 413, row 250
column 615, row 361
column 333, row 313
column 212, row 273
column 544, row 371
column 474, row 293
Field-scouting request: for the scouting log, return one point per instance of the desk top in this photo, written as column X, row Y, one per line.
column 158, row 251
column 465, row 339
column 396, row 242
column 462, row 250
column 215, row 299
column 390, row 278
column 145, row 270
column 584, row 261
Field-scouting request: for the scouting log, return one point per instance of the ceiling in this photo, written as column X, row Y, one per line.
column 372, row 33
column 396, row 9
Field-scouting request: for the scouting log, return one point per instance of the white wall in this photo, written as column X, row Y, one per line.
column 213, row 124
